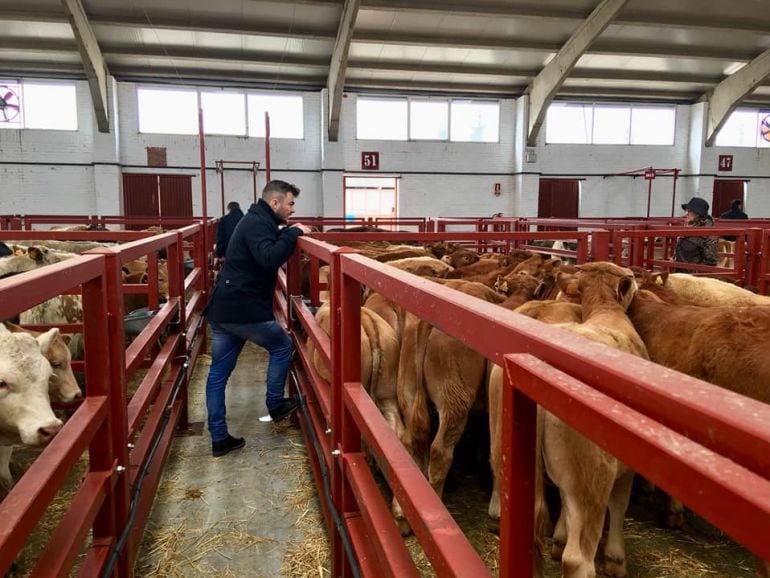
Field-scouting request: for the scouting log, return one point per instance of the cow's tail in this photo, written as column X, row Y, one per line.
column 412, row 397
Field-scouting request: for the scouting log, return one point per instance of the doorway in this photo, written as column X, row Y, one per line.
column 558, row 198
column 725, row 192
column 153, row 196
column 370, row 197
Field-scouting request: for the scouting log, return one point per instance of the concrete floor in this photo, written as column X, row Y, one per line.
column 235, row 515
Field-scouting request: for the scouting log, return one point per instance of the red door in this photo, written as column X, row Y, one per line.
column 176, row 196
column 154, row 196
column 559, row 198
column 725, row 192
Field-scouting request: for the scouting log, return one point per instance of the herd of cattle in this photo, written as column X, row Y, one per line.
column 703, row 327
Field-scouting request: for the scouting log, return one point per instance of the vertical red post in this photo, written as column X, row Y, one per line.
column 600, row 245
column 254, row 169
column 267, row 147
column 221, row 170
column 346, row 367
column 517, row 486
column 105, row 375
column 204, row 204
column 649, row 195
column 673, row 191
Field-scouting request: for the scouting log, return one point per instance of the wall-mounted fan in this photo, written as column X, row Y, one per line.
column 9, row 104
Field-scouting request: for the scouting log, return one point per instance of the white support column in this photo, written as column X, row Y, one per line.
column 93, row 61
column 546, row 84
column 339, row 63
column 726, row 95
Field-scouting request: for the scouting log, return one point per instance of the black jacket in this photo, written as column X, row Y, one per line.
column 257, row 249
column 734, row 214
column 225, row 230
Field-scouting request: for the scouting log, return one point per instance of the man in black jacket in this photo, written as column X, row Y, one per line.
column 226, row 227
column 735, row 212
column 241, row 307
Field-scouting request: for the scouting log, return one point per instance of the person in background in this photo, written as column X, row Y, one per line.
column 735, row 212
column 698, row 249
column 241, row 307
column 226, row 227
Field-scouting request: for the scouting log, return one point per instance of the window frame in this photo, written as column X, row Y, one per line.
column 448, row 100
column 630, row 107
column 20, row 83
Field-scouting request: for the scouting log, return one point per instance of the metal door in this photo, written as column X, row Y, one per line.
column 725, row 192
column 559, row 198
column 176, row 195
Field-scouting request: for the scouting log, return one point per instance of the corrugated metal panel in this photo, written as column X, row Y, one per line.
column 176, row 195
column 140, row 195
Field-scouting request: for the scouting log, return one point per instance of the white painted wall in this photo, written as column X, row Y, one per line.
column 79, row 172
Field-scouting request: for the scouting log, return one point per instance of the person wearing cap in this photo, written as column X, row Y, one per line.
column 735, row 212
column 697, row 249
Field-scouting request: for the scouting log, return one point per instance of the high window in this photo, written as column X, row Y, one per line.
column 38, row 105
column 427, row 119
column 746, row 128
column 579, row 123
column 175, row 111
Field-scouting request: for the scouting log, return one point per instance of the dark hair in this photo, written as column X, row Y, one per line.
column 279, row 189
column 232, row 205
column 736, row 204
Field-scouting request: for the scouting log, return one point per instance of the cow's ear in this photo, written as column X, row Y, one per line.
column 663, row 277
column 35, row 254
column 568, row 284
column 4, row 329
column 45, row 340
column 626, row 289
column 66, row 338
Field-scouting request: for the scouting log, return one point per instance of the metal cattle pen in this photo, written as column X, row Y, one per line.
column 127, row 438
column 638, row 410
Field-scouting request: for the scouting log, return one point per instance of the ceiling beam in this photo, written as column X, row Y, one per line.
column 336, row 82
column 716, row 21
column 725, row 96
column 602, row 46
column 93, row 61
column 546, row 84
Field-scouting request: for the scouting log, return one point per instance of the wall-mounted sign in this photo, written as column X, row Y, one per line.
column 498, row 189
column 370, row 161
column 725, row 162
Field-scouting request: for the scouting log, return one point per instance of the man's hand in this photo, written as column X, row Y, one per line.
column 304, row 228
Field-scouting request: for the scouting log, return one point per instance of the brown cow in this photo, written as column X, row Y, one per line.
column 589, row 479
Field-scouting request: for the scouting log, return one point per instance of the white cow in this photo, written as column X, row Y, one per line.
column 26, row 416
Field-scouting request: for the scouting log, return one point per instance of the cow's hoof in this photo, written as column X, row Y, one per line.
column 403, row 527
column 675, row 520
column 615, row 567
column 557, row 549
column 493, row 525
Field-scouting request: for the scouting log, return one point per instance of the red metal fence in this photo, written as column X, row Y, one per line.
column 127, row 438
column 638, row 410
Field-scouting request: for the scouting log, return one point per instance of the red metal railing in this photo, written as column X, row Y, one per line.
column 607, row 397
column 127, row 439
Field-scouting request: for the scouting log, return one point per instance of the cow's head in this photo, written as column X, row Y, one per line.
column 25, row 407
column 607, row 279
column 62, row 385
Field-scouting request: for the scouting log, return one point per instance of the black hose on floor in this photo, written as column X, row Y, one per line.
column 338, row 523
column 145, row 468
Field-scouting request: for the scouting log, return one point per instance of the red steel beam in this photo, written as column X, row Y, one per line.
column 26, row 503
column 721, row 420
column 444, row 543
column 61, row 552
column 393, row 558
column 730, row 496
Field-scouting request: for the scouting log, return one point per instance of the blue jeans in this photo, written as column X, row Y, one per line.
column 226, row 344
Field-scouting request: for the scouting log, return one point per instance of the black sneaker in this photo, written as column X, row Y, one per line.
column 283, row 409
column 227, row 445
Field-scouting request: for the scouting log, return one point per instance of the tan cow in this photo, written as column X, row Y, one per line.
column 379, row 362
column 589, row 479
